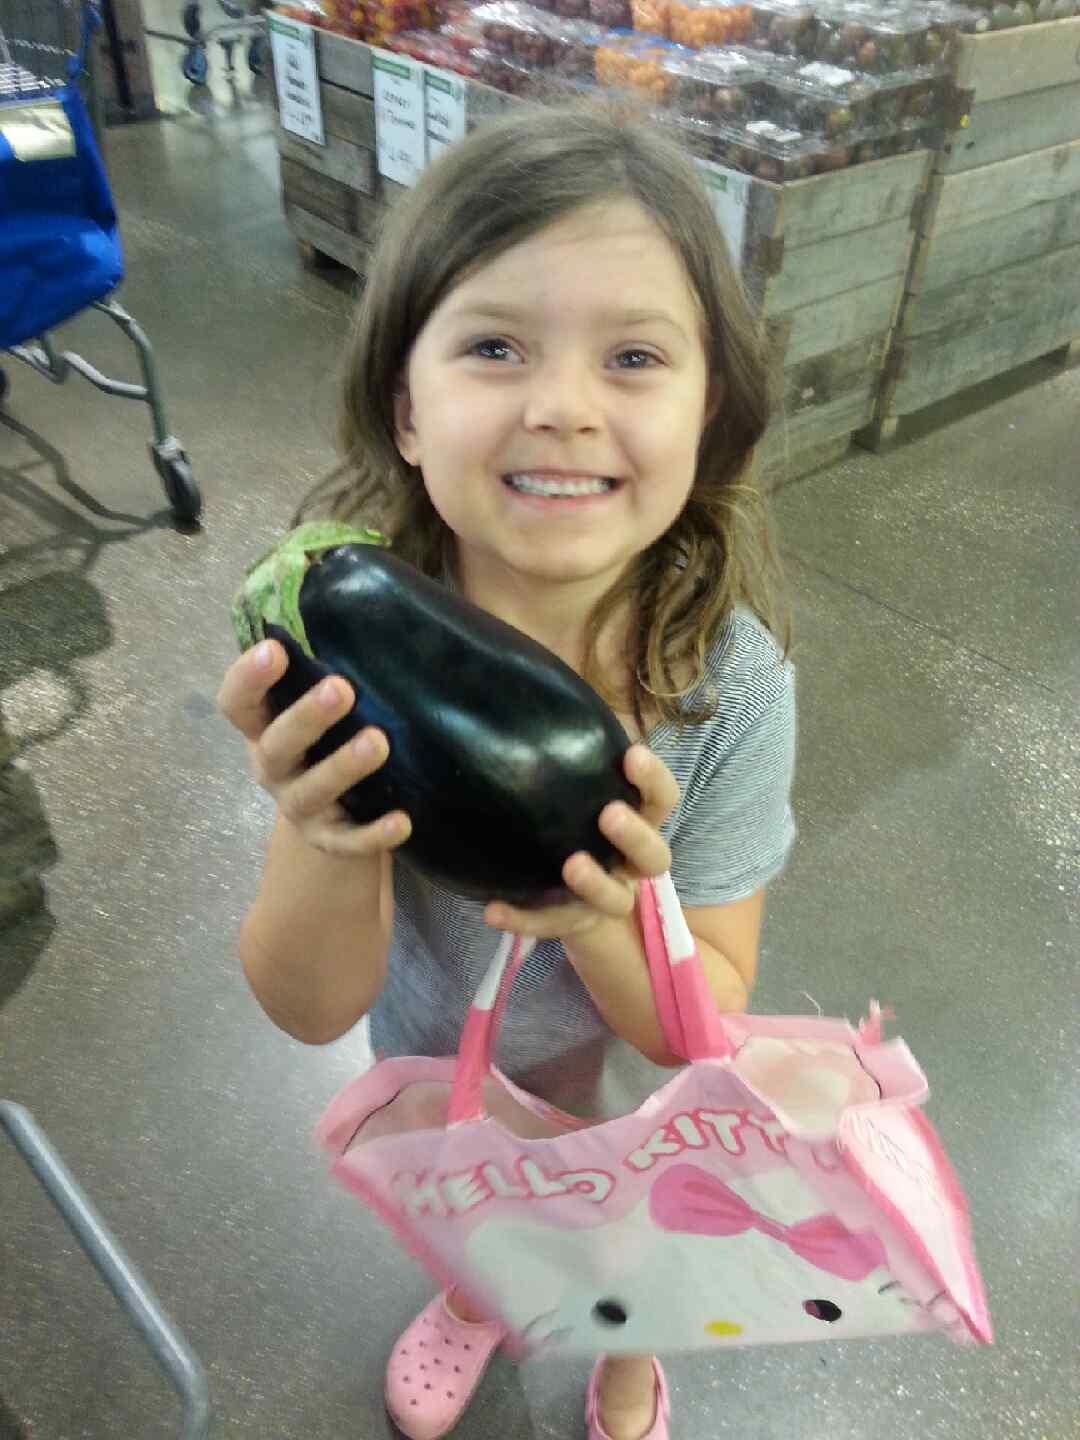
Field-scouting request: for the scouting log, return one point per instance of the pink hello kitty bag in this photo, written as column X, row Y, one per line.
column 784, row 1186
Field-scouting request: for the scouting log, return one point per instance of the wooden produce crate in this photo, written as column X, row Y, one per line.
column 328, row 191
column 995, row 276
column 333, row 194
column 826, row 257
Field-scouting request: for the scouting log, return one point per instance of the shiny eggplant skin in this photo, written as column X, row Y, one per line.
column 500, row 754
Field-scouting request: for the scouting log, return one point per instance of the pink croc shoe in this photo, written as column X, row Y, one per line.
column 659, row 1429
column 435, row 1369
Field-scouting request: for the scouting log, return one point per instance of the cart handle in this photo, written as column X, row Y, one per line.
column 168, row 1346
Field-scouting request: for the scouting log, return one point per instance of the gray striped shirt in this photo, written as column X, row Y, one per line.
column 729, row 835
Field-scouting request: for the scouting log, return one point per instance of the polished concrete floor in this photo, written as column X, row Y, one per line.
column 936, row 594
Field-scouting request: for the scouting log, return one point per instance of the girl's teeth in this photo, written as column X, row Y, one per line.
column 543, row 485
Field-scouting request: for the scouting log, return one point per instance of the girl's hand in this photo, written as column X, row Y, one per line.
column 307, row 797
column 600, row 895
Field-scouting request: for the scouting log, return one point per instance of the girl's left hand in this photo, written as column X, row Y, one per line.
column 603, row 895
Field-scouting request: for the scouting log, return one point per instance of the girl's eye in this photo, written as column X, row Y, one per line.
column 636, row 359
column 492, row 349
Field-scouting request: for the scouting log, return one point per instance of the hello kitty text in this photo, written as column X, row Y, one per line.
column 457, row 1193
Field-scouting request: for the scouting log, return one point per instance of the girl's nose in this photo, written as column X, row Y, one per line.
column 562, row 401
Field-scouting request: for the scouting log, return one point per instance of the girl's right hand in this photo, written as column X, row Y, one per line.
column 308, row 797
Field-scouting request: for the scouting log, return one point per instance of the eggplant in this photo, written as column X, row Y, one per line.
column 500, row 754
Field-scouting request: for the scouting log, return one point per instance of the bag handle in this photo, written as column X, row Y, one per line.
column 693, row 1027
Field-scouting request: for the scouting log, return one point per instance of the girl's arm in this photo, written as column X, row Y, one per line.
column 610, row 960
column 315, row 941
column 314, row 944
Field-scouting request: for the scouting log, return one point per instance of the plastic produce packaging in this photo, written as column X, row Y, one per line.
column 717, row 85
column 820, row 99
column 784, row 27
column 566, row 9
column 949, row 21
column 433, row 47
column 702, row 23
column 652, row 17
column 374, row 20
column 517, row 32
column 635, row 63
column 834, row 103
column 501, row 73
column 574, row 44
column 872, row 38
column 614, row 14
column 760, row 148
column 463, row 34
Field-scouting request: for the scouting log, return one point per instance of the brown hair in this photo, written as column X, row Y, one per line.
column 507, row 181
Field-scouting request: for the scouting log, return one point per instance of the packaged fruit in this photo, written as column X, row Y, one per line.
column 635, row 63
column 820, row 99
column 500, row 73
column 374, row 20
column 947, row 22
column 430, row 46
column 702, row 23
column 784, row 27
column 569, row 9
column 574, row 44
column 463, row 33
column 716, row 85
column 776, row 152
column 614, row 14
column 871, row 38
column 652, row 17
column 517, row 32
column 760, row 148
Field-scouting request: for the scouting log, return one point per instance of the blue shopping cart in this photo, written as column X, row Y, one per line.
column 60, row 249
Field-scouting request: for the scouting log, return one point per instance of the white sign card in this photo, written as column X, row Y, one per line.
column 729, row 191
column 445, row 105
column 400, row 125
column 296, row 76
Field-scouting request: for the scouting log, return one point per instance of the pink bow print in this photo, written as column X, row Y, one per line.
column 691, row 1201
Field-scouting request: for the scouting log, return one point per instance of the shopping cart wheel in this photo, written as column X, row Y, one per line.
column 256, row 56
column 194, row 65
column 192, row 19
column 172, row 464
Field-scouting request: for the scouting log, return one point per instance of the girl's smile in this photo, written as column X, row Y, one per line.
column 552, row 490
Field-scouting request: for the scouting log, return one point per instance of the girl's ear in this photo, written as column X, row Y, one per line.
column 404, row 433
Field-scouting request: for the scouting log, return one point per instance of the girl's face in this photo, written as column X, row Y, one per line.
column 555, row 400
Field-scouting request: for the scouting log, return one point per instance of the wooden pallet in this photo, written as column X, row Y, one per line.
column 994, row 280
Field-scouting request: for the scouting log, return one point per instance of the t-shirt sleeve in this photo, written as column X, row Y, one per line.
column 734, row 828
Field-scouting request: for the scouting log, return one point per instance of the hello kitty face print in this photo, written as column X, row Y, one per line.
column 700, row 1262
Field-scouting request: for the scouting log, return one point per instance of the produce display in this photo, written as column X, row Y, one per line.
column 779, row 88
column 501, row 755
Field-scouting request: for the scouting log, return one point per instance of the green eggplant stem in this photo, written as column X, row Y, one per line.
column 270, row 594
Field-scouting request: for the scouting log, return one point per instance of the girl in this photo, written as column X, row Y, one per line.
column 552, row 398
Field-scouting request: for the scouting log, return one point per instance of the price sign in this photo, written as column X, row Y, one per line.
column 445, row 104
column 400, row 126
column 729, row 192
column 297, row 78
